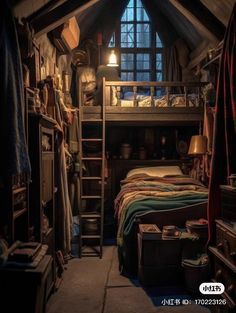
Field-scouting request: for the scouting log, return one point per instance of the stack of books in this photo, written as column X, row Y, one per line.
column 150, row 231
column 26, row 254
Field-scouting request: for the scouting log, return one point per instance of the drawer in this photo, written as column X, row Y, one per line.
column 223, row 274
column 226, row 241
column 228, row 202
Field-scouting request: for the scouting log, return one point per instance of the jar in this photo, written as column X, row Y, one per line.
column 126, row 150
column 142, row 153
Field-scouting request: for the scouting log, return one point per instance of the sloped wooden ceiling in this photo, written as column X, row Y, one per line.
column 56, row 17
column 200, row 23
column 220, row 8
column 92, row 20
column 28, row 8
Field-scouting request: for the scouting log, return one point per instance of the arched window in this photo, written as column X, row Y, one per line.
column 141, row 49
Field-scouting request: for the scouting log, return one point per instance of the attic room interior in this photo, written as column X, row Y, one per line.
column 118, row 171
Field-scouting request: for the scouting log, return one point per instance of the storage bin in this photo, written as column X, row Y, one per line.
column 194, row 275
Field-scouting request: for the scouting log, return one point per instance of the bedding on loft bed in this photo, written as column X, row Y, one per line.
column 145, row 94
column 174, row 100
column 148, row 191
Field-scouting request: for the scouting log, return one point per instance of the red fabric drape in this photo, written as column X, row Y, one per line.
column 224, row 142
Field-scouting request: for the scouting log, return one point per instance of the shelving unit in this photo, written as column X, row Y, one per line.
column 42, row 189
column 14, row 214
column 223, row 253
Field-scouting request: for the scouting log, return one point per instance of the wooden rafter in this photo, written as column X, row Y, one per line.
column 197, row 23
column 108, row 17
column 205, row 16
column 162, row 25
column 44, row 9
column 49, row 21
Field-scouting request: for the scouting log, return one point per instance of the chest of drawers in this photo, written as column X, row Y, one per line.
column 224, row 263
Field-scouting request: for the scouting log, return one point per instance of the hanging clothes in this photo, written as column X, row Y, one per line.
column 63, row 225
column 15, row 158
column 224, row 148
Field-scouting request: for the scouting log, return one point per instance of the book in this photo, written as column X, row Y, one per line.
column 150, row 231
column 25, row 252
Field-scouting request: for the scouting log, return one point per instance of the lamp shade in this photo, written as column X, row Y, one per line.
column 198, row 145
column 112, row 59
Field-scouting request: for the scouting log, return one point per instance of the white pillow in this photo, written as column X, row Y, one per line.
column 160, row 171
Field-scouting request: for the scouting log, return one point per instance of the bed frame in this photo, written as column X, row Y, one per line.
column 176, row 217
column 185, row 115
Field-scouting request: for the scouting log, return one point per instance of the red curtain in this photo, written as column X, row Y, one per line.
column 224, row 141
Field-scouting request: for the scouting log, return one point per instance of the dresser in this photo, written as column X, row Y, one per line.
column 26, row 289
column 223, row 256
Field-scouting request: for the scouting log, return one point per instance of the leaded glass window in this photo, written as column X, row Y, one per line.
column 140, row 58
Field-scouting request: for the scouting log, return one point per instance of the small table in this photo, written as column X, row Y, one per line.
column 27, row 288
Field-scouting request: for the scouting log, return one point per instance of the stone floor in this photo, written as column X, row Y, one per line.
column 93, row 285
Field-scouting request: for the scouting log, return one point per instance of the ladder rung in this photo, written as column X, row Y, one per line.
column 90, row 236
column 88, row 215
column 92, row 139
column 91, row 177
column 91, row 159
column 90, row 253
column 91, row 197
column 92, row 120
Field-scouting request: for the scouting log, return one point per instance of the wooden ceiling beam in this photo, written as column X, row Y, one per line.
column 197, row 23
column 49, row 21
column 161, row 24
column 44, row 9
column 108, row 17
column 205, row 16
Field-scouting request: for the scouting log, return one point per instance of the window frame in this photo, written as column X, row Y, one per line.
column 152, row 50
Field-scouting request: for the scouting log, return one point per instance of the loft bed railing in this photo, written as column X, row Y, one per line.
column 153, row 94
column 176, row 102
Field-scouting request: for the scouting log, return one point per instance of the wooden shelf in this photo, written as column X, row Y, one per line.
column 89, row 215
column 91, row 236
column 91, row 178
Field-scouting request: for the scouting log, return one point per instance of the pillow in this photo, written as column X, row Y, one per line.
column 129, row 95
column 160, row 171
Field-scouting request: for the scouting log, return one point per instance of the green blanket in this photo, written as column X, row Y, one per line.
column 127, row 239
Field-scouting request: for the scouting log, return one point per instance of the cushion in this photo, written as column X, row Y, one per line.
column 159, row 171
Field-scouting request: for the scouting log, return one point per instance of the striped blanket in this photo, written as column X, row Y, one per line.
column 141, row 194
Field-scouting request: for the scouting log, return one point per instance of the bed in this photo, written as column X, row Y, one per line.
column 159, row 195
column 148, row 101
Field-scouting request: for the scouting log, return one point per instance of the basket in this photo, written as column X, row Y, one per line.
column 195, row 275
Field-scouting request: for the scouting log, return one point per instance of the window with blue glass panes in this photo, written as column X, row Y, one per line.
column 140, row 58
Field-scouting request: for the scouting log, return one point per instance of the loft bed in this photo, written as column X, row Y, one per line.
column 157, row 102
column 154, row 195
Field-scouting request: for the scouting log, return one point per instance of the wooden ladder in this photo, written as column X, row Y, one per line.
column 95, row 248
